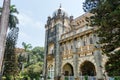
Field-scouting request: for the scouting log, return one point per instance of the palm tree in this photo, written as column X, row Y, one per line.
column 27, row 47
column 3, row 29
column 24, row 57
column 13, row 20
column 8, row 19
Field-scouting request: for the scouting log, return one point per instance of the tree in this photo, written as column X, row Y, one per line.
column 33, row 71
column 33, row 68
column 113, row 64
column 38, row 51
column 3, row 28
column 12, row 21
column 10, row 58
column 23, row 58
column 27, row 47
column 107, row 19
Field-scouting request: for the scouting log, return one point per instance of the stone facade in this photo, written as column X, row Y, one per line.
column 71, row 49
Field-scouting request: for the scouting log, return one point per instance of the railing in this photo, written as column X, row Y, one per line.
column 85, row 49
column 68, row 77
column 67, row 53
column 87, row 78
column 80, row 78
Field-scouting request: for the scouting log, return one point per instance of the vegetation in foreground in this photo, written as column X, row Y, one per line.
column 24, row 65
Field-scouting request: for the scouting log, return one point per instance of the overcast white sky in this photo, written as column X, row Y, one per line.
column 33, row 15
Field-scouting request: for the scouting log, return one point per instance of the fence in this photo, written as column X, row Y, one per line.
column 90, row 78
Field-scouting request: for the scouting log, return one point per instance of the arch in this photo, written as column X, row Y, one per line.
column 87, row 68
column 68, row 69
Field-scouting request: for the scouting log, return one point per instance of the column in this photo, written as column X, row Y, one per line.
column 75, row 60
column 98, row 60
column 58, row 56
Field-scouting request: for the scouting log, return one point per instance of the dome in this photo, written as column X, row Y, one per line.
column 61, row 12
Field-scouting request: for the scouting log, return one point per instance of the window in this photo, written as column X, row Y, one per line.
column 91, row 40
column 71, row 47
column 51, row 72
column 84, row 43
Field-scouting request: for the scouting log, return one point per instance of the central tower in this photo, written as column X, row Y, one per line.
column 56, row 25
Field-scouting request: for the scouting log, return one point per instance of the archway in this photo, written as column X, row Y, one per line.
column 68, row 70
column 87, row 68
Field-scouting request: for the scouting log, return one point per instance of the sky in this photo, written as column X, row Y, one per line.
column 33, row 16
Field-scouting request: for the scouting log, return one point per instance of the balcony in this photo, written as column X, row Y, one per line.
column 82, row 51
column 67, row 54
column 86, row 50
column 50, row 56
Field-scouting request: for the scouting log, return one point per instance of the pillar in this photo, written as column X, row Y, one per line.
column 75, row 60
column 98, row 60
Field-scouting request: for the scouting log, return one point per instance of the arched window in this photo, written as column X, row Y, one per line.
column 51, row 72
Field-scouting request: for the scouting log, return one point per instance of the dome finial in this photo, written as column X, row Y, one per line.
column 60, row 5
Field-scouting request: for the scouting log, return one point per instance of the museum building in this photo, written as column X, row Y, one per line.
column 71, row 49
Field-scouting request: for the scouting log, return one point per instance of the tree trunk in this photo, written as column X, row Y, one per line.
column 3, row 29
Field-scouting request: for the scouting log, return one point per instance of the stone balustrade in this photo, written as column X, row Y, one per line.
column 67, row 54
column 83, row 50
column 86, row 50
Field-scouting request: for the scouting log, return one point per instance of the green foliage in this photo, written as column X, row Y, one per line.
column 10, row 58
column 112, row 66
column 117, row 77
column 26, row 46
column 86, row 77
column 13, row 20
column 107, row 19
column 33, row 67
column 33, row 71
column 66, row 78
column 38, row 52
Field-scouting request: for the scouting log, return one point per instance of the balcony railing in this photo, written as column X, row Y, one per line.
column 67, row 53
column 84, row 50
